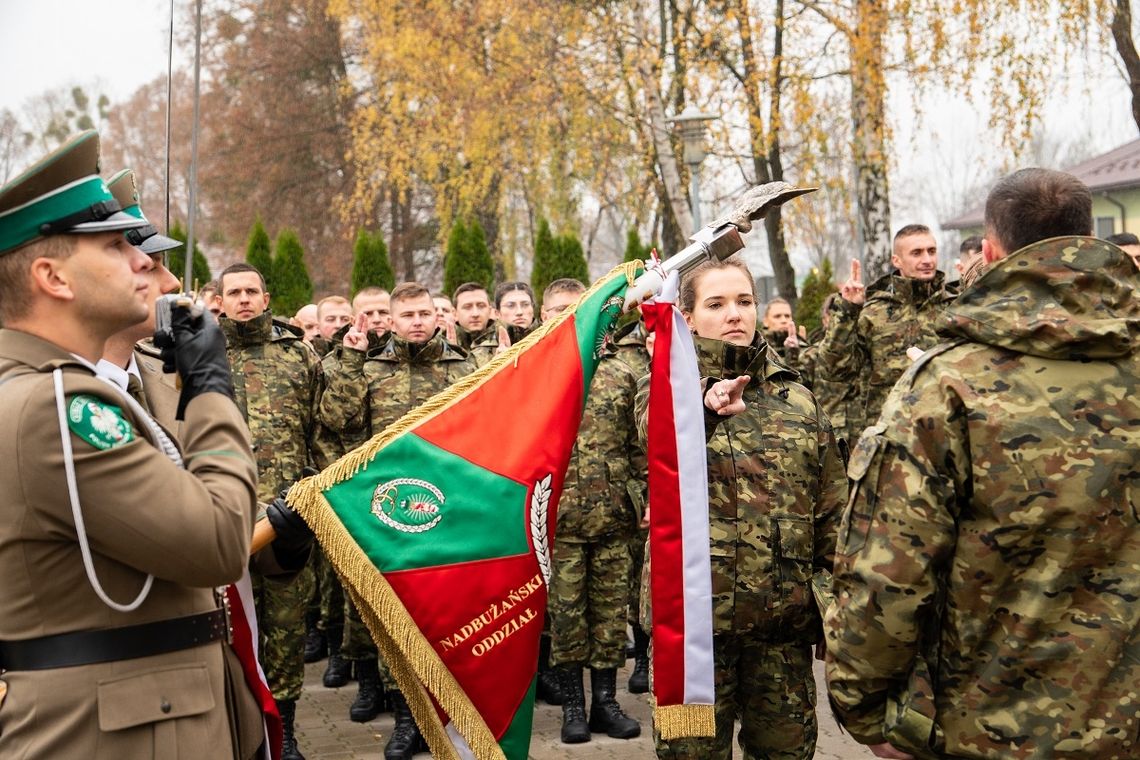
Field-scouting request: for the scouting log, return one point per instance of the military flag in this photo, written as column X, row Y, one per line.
column 680, row 574
column 441, row 528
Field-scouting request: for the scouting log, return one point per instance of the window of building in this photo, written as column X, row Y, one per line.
column 1105, row 226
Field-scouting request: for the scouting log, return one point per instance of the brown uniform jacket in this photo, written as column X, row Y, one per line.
column 143, row 514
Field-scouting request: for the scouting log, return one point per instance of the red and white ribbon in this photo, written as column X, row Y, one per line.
column 680, row 568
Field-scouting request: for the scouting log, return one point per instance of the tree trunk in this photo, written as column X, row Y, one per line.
column 868, row 116
column 666, row 159
column 1126, row 48
column 766, row 158
column 488, row 215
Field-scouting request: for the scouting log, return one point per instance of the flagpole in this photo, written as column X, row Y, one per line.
column 169, row 90
column 192, row 211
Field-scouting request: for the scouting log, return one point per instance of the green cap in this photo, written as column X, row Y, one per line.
column 146, row 239
column 61, row 194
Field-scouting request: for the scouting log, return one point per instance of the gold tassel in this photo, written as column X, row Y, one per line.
column 680, row 721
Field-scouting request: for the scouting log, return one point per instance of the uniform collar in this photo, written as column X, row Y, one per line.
column 36, row 352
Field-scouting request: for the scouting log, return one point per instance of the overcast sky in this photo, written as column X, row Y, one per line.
column 116, row 44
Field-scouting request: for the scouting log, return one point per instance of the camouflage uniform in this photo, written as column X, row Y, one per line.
column 468, row 340
column 486, row 346
column 866, row 346
column 332, row 445
column 629, row 347
column 277, row 383
column 589, row 593
column 800, row 358
column 776, row 490
column 988, row 567
column 367, row 393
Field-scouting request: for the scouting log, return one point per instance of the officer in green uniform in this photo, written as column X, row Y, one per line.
column 871, row 327
column 589, row 588
column 111, row 639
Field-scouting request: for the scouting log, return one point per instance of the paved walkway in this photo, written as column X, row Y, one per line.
column 326, row 733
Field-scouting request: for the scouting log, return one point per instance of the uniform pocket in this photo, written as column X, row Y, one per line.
column 153, row 696
column 794, row 555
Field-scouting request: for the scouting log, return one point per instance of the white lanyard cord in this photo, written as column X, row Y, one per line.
column 77, row 514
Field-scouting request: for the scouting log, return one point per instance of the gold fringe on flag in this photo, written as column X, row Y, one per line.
column 679, row 721
column 413, row 661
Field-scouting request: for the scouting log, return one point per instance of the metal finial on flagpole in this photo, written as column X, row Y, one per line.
column 717, row 241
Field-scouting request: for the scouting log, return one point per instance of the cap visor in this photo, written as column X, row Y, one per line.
column 116, row 221
column 158, row 244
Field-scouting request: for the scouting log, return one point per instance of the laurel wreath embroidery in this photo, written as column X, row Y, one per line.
column 538, row 532
column 423, row 514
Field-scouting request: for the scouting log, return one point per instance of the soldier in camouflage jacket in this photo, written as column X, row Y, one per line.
column 988, row 567
column 277, row 386
column 869, row 332
column 371, row 389
column 776, row 489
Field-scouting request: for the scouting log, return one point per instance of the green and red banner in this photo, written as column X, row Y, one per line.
column 441, row 528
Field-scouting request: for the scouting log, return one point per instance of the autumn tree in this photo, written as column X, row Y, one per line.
column 276, row 136
column 293, row 288
column 370, row 265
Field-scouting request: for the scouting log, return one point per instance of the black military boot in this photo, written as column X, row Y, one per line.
column 288, row 711
column 316, row 645
column 574, row 727
column 639, row 678
column 546, row 687
column 406, row 739
column 338, row 670
column 368, row 702
column 606, row 715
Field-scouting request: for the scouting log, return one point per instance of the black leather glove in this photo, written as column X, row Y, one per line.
column 199, row 354
column 294, row 536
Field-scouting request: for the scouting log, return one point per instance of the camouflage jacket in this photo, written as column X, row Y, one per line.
column 487, row 346
column 629, row 346
column 866, row 346
column 988, row 567
column 776, row 490
column 799, row 358
column 333, row 444
column 371, row 391
column 468, row 340
column 603, row 494
column 277, row 385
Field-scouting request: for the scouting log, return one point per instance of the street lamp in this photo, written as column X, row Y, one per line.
column 693, row 125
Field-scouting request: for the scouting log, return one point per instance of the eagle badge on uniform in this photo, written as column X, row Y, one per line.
column 100, row 424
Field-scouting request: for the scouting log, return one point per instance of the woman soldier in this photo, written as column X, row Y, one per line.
column 776, row 490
